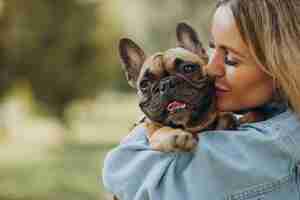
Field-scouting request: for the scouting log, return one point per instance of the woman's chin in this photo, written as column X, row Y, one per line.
column 226, row 106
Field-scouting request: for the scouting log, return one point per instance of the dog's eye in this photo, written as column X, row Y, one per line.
column 144, row 85
column 189, row 68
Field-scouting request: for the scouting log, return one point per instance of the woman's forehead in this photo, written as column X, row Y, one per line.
column 223, row 18
column 225, row 32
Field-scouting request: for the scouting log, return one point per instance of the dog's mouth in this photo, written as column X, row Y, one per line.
column 176, row 106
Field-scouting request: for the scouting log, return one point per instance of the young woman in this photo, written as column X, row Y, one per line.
column 255, row 59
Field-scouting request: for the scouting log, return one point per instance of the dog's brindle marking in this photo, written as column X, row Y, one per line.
column 162, row 66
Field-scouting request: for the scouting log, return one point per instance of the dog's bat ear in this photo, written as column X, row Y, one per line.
column 187, row 38
column 133, row 58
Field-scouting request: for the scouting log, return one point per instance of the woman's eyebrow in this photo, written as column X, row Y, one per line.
column 232, row 50
column 212, row 44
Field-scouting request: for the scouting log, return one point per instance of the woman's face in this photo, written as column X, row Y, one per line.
column 240, row 82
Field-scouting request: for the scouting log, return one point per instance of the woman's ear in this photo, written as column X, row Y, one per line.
column 132, row 57
column 187, row 38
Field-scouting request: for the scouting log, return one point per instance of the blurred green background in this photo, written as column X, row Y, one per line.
column 64, row 99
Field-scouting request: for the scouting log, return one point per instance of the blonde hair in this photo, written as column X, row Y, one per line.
column 271, row 30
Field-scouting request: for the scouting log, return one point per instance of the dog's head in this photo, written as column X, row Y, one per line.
column 173, row 87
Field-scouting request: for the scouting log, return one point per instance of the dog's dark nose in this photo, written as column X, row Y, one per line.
column 167, row 85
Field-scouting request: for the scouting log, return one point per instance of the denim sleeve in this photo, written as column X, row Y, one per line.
column 133, row 167
column 224, row 162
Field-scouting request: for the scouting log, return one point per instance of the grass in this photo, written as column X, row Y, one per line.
column 72, row 172
column 70, row 169
column 107, row 120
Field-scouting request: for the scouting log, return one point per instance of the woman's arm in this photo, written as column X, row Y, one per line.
column 132, row 166
column 224, row 163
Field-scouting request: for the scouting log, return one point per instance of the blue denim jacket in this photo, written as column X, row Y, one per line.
column 259, row 161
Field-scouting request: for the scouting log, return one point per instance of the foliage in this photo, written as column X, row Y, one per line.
column 54, row 45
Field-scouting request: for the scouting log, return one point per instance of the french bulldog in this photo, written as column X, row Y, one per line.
column 175, row 93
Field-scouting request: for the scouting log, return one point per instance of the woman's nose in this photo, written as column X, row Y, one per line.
column 215, row 67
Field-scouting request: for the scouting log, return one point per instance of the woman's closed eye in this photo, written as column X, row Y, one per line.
column 230, row 61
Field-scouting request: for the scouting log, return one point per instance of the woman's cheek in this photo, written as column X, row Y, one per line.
column 230, row 69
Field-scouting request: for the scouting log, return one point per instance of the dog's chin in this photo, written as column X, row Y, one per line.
column 178, row 119
column 174, row 118
column 187, row 118
column 192, row 118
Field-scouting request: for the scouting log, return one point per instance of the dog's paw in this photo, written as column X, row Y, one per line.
column 176, row 140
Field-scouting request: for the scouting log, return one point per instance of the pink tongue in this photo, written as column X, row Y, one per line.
column 174, row 105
